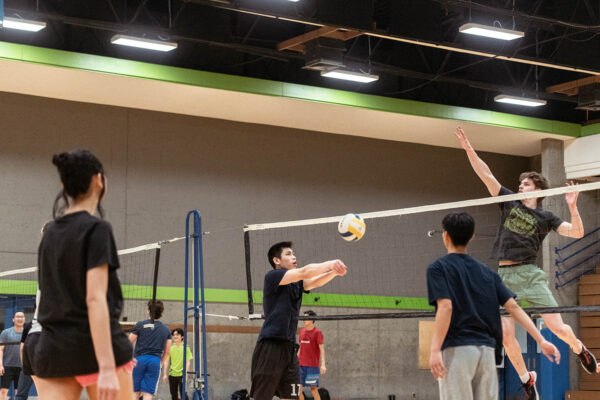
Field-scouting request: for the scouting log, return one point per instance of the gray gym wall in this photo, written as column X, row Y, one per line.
column 160, row 166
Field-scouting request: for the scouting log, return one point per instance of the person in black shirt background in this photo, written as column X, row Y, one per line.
column 467, row 296
column 275, row 368
column 81, row 343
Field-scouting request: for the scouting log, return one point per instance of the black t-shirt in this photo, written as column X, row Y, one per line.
column 151, row 338
column 522, row 230
column 281, row 304
column 72, row 245
column 476, row 293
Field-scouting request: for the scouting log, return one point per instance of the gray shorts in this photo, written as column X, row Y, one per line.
column 471, row 374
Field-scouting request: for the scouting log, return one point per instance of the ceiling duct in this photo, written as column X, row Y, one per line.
column 589, row 97
column 324, row 54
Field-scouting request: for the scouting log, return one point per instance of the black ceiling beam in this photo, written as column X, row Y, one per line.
column 390, row 69
column 286, row 56
column 517, row 14
column 401, row 38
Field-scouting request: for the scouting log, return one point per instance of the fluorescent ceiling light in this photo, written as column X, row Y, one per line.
column 350, row 76
column 143, row 43
column 491, row 31
column 522, row 101
column 23, row 24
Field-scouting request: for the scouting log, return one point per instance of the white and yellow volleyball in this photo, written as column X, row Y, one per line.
column 352, row 227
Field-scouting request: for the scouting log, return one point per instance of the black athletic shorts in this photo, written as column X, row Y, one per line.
column 28, row 352
column 11, row 374
column 275, row 370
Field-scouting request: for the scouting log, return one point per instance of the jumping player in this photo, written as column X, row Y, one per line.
column 524, row 225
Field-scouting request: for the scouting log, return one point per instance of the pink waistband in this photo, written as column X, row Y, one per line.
column 90, row 379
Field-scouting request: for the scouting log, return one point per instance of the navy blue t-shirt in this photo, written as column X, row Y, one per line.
column 281, row 305
column 150, row 341
column 476, row 293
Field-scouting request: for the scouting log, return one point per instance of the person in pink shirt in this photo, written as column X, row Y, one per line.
column 311, row 351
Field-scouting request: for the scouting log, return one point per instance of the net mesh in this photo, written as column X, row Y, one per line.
column 137, row 270
column 387, row 267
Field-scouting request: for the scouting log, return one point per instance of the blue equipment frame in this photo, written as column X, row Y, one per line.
column 199, row 375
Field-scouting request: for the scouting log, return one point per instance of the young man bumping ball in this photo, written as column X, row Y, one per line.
column 275, row 368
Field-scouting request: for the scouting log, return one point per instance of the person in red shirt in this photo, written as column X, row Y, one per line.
column 311, row 350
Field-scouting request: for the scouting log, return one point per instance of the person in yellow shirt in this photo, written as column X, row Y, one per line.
column 174, row 364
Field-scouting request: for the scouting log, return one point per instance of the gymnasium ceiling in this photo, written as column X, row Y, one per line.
column 413, row 45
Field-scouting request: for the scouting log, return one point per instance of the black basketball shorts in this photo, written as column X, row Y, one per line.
column 28, row 352
column 275, row 370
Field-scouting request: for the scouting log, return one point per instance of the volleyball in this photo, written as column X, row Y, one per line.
column 352, row 227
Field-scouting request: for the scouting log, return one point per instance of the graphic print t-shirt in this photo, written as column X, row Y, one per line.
column 522, row 230
column 309, row 347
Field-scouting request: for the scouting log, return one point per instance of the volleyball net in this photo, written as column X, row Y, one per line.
column 387, row 268
column 141, row 280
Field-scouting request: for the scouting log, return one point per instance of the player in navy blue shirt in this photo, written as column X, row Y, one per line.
column 152, row 347
column 275, row 368
column 467, row 296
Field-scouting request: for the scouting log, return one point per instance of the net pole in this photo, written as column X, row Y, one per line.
column 248, row 272
column 185, row 304
column 154, row 283
column 200, row 258
column 196, row 297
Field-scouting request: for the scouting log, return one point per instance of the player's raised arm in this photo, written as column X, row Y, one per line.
column 313, row 270
column 479, row 166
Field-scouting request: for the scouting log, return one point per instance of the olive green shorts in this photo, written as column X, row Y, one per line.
column 530, row 284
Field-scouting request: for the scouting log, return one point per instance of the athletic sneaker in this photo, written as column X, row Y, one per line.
column 587, row 360
column 529, row 387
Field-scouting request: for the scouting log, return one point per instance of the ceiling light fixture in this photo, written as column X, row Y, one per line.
column 490, row 31
column 143, row 43
column 522, row 101
column 350, row 76
column 23, row 24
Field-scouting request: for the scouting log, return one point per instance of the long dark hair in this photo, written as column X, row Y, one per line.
column 76, row 169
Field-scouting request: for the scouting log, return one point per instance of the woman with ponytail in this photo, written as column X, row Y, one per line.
column 81, row 344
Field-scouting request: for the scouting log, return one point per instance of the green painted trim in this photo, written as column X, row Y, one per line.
column 590, row 130
column 136, row 69
column 172, row 293
column 18, row 287
column 359, row 301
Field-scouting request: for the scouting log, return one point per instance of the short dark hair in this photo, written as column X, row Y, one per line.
column 177, row 330
column 310, row 313
column 276, row 250
column 156, row 308
column 460, row 226
column 539, row 181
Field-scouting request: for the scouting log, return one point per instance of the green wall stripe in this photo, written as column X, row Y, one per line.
column 172, row 293
column 137, row 69
column 18, row 287
column 589, row 130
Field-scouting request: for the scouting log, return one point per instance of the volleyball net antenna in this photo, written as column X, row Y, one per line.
column 387, row 268
column 142, row 280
